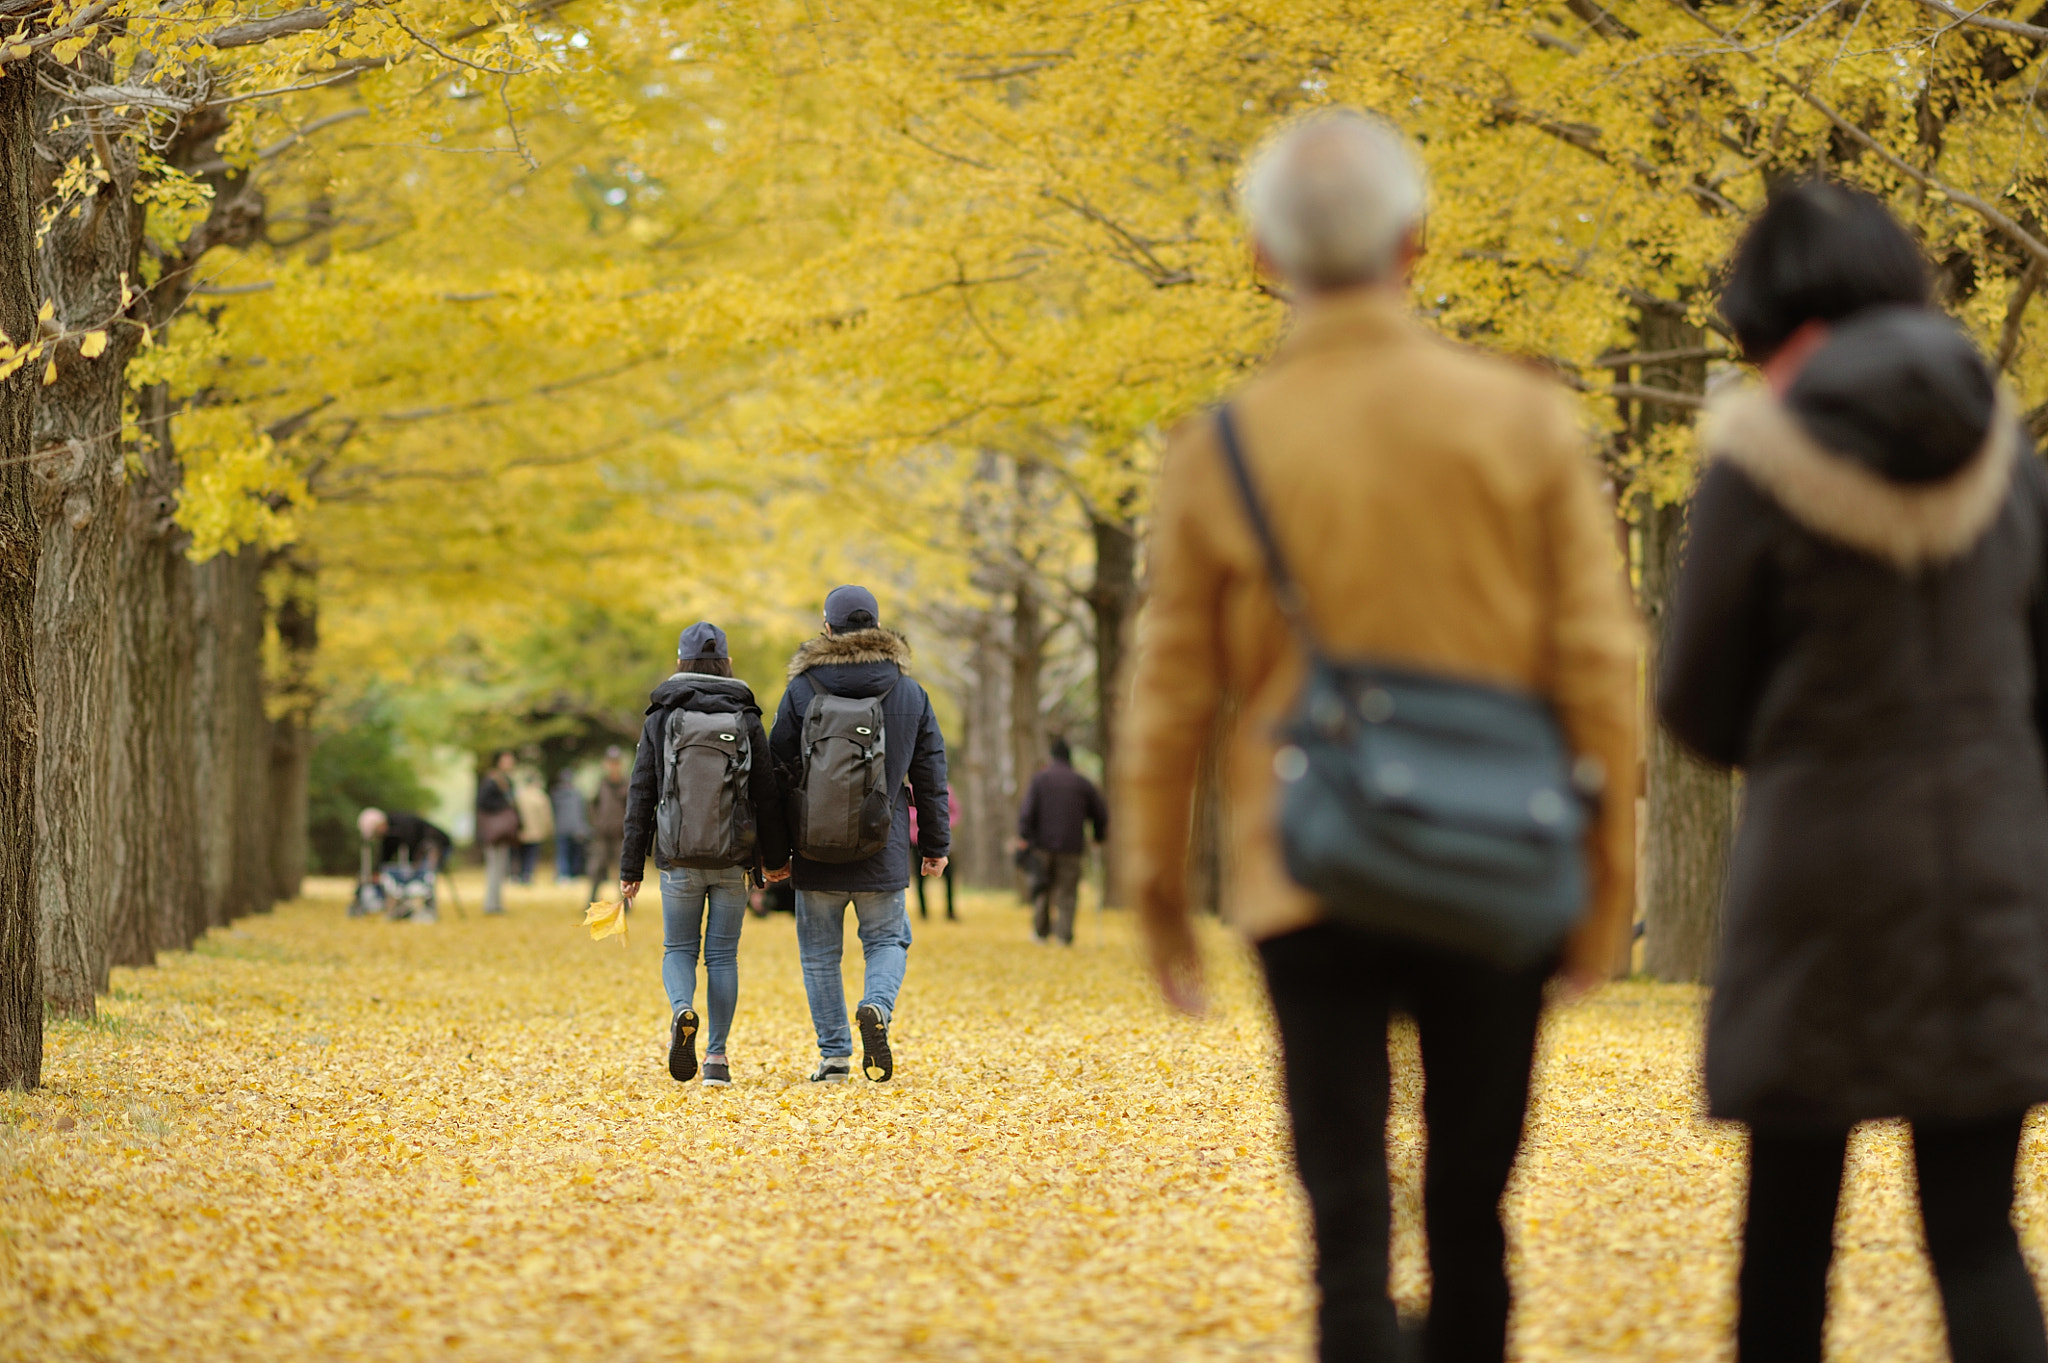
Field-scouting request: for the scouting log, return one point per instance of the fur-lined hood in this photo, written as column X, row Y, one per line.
column 1895, row 440
column 859, row 646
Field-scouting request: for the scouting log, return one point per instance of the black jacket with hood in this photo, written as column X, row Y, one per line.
column 1862, row 624
column 699, row 691
column 861, row 664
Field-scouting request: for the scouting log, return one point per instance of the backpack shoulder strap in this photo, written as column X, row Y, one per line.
column 1285, row 589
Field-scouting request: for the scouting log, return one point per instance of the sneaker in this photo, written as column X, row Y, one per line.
column 717, row 1074
column 875, row 1061
column 831, row 1070
column 682, row 1046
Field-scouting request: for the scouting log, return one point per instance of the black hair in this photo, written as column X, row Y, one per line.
column 710, row 667
column 1819, row 251
column 1060, row 751
column 501, row 754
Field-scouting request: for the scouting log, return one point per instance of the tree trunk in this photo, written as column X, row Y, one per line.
column 1027, row 660
column 1112, row 599
column 21, row 981
column 154, row 902
column 293, row 699
column 1690, row 806
column 232, row 736
column 85, row 259
column 981, row 777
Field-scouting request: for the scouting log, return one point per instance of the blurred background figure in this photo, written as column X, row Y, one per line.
column 1438, row 511
column 1060, row 808
column 536, row 821
column 607, row 821
column 497, row 827
column 917, row 882
column 572, row 826
column 1861, row 624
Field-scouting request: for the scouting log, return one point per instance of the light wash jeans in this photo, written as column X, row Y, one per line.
column 683, row 918
column 821, row 941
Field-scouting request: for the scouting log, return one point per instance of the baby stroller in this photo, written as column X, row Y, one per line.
column 408, row 893
column 400, row 891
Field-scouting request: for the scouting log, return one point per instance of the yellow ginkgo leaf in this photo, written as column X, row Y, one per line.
column 94, row 344
column 605, row 919
column 47, row 310
column 50, row 371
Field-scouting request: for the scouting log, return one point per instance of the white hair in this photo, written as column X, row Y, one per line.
column 1331, row 196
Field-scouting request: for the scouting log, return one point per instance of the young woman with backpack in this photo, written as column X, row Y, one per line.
column 703, row 798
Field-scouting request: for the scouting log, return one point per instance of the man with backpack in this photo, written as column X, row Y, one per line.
column 703, row 795
column 852, row 727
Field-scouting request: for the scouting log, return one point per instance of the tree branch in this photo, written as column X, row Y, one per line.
column 2017, row 234
column 1977, row 19
column 307, row 20
column 2016, row 311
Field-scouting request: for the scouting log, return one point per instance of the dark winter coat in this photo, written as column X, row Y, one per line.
column 1058, row 808
column 696, row 691
column 608, row 811
column 1862, row 624
column 862, row 664
column 414, row 837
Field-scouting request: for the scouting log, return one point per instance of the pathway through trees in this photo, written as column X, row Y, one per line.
column 322, row 1139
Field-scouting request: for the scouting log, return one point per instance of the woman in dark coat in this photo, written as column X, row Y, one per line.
column 1862, row 625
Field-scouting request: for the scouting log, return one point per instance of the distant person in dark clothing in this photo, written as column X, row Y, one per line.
column 607, row 821
column 405, row 837
column 1058, row 809
column 497, row 828
column 953, row 813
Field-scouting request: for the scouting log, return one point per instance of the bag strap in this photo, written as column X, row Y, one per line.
column 1286, row 590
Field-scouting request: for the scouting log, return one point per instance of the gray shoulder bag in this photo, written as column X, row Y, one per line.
column 1423, row 807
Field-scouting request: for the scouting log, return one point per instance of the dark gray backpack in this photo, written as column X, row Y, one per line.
column 842, row 801
column 705, row 820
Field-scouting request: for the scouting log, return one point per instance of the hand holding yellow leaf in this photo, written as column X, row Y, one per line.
column 605, row 919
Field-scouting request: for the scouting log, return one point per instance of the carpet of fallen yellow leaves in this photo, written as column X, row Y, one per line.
column 316, row 1138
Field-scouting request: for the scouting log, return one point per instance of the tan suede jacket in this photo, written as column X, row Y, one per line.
column 1441, row 512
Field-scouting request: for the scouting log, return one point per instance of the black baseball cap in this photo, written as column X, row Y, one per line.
column 701, row 640
column 852, row 608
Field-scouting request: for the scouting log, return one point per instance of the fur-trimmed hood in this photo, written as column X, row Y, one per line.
column 1895, row 440
column 856, row 647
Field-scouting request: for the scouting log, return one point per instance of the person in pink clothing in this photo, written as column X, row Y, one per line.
column 952, row 808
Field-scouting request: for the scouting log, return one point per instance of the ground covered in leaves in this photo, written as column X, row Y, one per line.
column 321, row 1139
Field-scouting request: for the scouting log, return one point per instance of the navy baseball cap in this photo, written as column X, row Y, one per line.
column 701, row 640
column 852, row 608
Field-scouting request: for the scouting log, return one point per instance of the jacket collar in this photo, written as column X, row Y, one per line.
column 1369, row 317
column 859, row 646
column 1909, row 525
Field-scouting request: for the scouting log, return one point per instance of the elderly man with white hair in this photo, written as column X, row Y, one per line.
column 1438, row 513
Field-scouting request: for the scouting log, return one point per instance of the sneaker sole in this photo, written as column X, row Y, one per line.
column 876, row 1061
column 711, row 1083
column 682, row 1048
column 836, row 1077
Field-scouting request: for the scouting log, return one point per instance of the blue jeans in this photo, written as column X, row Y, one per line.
column 683, row 897
column 821, row 941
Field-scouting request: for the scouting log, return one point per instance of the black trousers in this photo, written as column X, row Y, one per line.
column 1965, row 1175
column 1333, row 990
column 1052, row 909
column 917, row 882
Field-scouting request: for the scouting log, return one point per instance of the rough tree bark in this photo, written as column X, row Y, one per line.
column 293, row 697
column 232, row 737
column 980, row 762
column 1690, row 806
column 85, row 262
column 155, row 902
column 21, row 982
column 1112, row 598
column 1027, row 662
